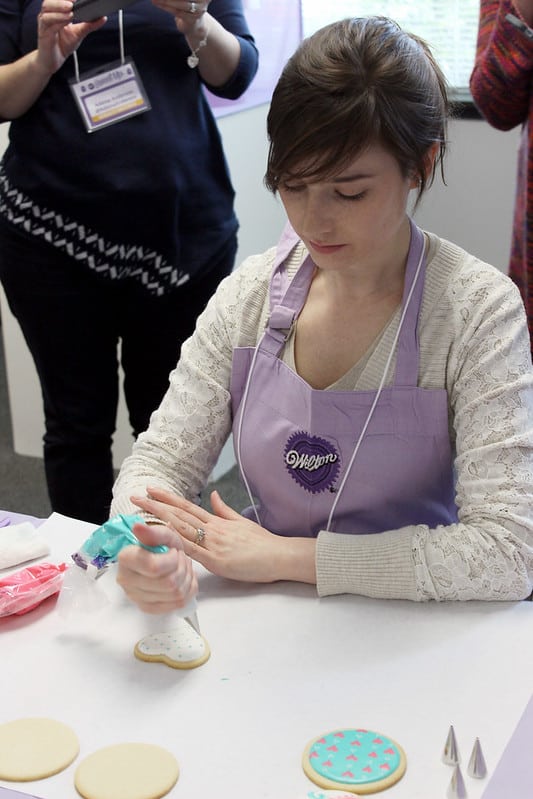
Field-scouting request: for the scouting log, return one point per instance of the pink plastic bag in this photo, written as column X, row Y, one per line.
column 22, row 591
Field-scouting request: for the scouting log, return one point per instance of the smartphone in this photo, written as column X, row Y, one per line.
column 89, row 10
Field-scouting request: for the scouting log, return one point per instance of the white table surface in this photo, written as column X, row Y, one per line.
column 285, row 667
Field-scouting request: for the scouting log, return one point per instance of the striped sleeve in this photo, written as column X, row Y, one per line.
column 501, row 79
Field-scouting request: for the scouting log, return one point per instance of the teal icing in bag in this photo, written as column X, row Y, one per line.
column 94, row 558
column 102, row 547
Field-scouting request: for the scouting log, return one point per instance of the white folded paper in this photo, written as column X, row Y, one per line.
column 20, row 543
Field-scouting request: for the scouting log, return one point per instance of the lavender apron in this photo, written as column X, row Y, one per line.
column 295, row 445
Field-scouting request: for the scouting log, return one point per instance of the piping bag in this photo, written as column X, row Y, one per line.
column 95, row 557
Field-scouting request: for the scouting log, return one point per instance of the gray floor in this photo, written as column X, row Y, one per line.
column 22, row 480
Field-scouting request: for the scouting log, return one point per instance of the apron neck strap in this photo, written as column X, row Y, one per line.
column 286, row 298
column 407, row 357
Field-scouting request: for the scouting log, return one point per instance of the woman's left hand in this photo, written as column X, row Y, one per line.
column 225, row 542
column 189, row 16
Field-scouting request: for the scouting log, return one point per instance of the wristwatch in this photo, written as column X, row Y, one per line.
column 520, row 24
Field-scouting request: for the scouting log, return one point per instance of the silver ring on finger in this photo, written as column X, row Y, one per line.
column 193, row 8
column 200, row 536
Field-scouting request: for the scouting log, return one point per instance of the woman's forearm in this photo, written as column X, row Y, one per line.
column 525, row 10
column 219, row 57
column 21, row 83
column 297, row 560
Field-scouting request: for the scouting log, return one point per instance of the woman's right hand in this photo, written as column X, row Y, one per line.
column 22, row 81
column 158, row 582
column 58, row 36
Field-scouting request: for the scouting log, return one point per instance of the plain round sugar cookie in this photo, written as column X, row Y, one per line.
column 356, row 760
column 181, row 648
column 33, row 748
column 127, row 771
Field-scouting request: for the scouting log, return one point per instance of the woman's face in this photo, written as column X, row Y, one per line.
column 355, row 218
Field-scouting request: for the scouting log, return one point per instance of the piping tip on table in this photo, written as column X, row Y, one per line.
column 456, row 788
column 476, row 765
column 450, row 756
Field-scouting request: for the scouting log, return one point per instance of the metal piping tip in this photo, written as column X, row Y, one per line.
column 477, row 767
column 450, row 756
column 192, row 618
column 456, row 788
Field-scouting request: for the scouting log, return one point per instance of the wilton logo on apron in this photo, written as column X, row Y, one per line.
column 311, row 461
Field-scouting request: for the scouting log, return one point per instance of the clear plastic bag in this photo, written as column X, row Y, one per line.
column 25, row 589
column 80, row 594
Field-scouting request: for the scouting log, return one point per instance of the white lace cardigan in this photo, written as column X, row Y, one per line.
column 473, row 342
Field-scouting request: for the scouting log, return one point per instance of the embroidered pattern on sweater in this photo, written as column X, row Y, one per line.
column 105, row 258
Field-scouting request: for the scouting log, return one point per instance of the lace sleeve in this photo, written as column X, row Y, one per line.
column 476, row 343
column 489, row 553
column 190, row 427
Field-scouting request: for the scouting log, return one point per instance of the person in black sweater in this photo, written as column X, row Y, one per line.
column 116, row 225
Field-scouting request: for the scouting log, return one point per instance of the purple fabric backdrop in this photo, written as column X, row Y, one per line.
column 276, row 27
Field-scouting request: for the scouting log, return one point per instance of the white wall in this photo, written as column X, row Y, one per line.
column 474, row 210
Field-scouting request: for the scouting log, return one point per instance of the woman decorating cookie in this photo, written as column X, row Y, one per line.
column 377, row 378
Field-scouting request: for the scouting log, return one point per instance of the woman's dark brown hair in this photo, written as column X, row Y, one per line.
column 352, row 84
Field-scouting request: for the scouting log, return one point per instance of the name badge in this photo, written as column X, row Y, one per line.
column 109, row 95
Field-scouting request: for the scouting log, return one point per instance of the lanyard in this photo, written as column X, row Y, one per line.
column 121, row 46
column 110, row 94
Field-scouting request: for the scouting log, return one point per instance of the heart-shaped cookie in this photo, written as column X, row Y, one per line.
column 180, row 648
